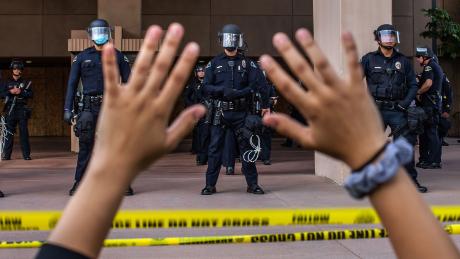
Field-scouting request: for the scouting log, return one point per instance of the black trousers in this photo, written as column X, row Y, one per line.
column 86, row 142
column 201, row 139
column 19, row 116
column 235, row 121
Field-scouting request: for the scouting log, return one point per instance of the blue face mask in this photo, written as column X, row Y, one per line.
column 101, row 39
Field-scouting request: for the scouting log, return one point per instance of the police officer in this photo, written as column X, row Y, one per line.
column 194, row 94
column 16, row 91
column 391, row 81
column 444, row 123
column 87, row 66
column 229, row 80
column 266, row 137
column 429, row 98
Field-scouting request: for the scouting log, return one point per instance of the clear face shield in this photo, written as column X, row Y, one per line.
column 100, row 35
column 232, row 40
column 388, row 36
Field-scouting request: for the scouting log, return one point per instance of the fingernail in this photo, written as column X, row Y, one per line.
column 175, row 29
column 265, row 61
column 193, row 47
column 303, row 34
column 280, row 39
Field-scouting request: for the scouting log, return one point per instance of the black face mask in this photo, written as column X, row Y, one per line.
column 231, row 49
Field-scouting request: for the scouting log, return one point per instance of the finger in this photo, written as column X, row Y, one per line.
column 351, row 52
column 295, row 61
column 183, row 125
column 110, row 70
column 145, row 57
column 284, row 83
column 320, row 62
column 290, row 128
column 176, row 81
column 164, row 59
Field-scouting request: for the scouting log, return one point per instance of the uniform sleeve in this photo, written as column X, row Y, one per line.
column 124, row 68
column 3, row 91
column 263, row 88
column 27, row 91
column 208, row 83
column 411, row 84
column 365, row 64
column 72, row 85
column 188, row 95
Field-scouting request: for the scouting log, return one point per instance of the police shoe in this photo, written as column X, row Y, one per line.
column 74, row 188
column 6, row 158
column 208, row 190
column 444, row 143
column 431, row 166
column 129, row 191
column 255, row 189
column 267, row 162
column 27, row 158
column 198, row 162
column 230, row 171
column 1, row 194
column 421, row 163
column 420, row 188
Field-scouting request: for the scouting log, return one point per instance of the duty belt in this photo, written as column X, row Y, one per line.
column 93, row 98
column 385, row 104
column 235, row 105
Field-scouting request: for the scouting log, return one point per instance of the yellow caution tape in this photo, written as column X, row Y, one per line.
column 151, row 219
column 237, row 239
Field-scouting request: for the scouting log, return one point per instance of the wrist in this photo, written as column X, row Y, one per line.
column 117, row 171
column 365, row 153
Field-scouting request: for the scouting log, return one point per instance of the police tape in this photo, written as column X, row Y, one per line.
column 154, row 219
column 371, row 233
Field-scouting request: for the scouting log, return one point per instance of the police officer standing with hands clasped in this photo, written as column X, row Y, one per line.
column 429, row 98
column 230, row 80
column 16, row 91
column 392, row 83
column 87, row 66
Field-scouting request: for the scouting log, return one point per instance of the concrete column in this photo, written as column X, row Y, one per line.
column 124, row 13
column 331, row 18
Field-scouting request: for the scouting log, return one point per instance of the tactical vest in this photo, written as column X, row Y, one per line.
column 387, row 83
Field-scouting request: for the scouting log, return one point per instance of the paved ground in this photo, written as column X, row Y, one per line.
column 175, row 183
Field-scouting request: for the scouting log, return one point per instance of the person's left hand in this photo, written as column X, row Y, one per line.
column 445, row 115
column 133, row 128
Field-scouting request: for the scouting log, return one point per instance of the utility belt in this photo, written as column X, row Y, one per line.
column 240, row 104
column 89, row 100
column 386, row 104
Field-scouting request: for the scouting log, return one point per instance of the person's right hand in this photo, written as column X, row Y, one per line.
column 445, row 115
column 134, row 121
column 343, row 120
column 68, row 117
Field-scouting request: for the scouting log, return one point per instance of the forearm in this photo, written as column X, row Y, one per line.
column 403, row 222
column 85, row 232
column 424, row 88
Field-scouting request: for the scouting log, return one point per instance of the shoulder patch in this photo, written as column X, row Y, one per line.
column 428, row 68
column 208, row 65
column 75, row 59
column 253, row 64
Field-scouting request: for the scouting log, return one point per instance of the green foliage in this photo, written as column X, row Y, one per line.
column 443, row 28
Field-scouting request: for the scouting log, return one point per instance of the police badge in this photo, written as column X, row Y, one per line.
column 243, row 63
column 398, row 65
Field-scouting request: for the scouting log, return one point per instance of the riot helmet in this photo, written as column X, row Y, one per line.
column 17, row 64
column 424, row 52
column 386, row 34
column 99, row 31
column 230, row 37
column 199, row 70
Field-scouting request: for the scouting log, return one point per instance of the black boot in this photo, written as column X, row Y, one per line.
column 1, row 194
column 255, row 189
column 420, row 188
column 74, row 188
column 208, row 190
column 129, row 191
column 230, row 171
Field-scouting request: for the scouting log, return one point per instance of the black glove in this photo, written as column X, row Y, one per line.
column 68, row 117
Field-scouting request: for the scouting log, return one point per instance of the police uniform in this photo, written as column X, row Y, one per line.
column 430, row 144
column 194, row 94
column 229, row 81
column 16, row 113
column 87, row 66
column 444, row 123
column 392, row 83
column 266, row 137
